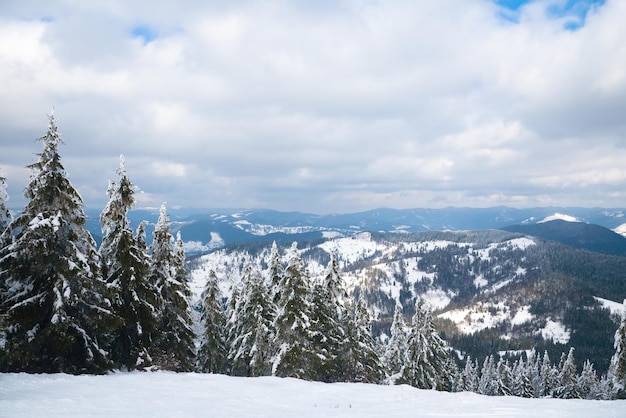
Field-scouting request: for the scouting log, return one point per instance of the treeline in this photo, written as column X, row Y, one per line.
column 68, row 306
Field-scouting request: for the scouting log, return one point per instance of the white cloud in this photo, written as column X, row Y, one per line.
column 321, row 107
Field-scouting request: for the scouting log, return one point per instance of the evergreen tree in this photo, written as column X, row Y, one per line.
column 617, row 371
column 293, row 355
column 275, row 274
column 548, row 376
column 57, row 315
column 568, row 379
column 396, row 347
column 588, row 382
column 126, row 267
column 469, row 376
column 533, row 383
column 488, row 383
column 251, row 328
column 328, row 323
column 167, row 273
column 425, row 364
column 213, row 355
column 359, row 357
column 504, row 378
column 5, row 214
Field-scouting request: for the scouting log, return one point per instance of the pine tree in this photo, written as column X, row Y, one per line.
column 5, row 214
column 396, row 347
column 488, row 383
column 55, row 305
column 567, row 378
column 617, row 370
column 251, row 328
column 275, row 274
column 213, row 355
column 425, row 364
column 328, row 324
column 293, row 355
column 126, row 267
column 359, row 357
column 548, row 376
column 469, row 376
column 504, row 378
column 588, row 384
column 167, row 273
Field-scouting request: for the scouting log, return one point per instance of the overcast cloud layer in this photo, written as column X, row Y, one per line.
column 322, row 106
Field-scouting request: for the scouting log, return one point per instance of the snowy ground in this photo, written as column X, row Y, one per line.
column 165, row 394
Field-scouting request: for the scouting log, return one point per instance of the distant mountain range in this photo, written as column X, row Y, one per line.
column 207, row 229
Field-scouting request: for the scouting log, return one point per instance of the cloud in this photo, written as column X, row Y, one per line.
column 325, row 106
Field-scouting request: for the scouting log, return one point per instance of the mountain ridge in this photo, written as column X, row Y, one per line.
column 206, row 229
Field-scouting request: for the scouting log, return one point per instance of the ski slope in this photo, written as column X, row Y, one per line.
column 167, row 394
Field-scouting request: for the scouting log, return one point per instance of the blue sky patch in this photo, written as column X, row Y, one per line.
column 144, row 32
column 575, row 9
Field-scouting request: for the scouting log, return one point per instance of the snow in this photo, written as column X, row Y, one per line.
column 559, row 216
column 621, row 230
column 522, row 316
column 521, row 243
column 616, row 308
column 555, row 331
column 167, row 394
column 478, row 317
column 480, row 281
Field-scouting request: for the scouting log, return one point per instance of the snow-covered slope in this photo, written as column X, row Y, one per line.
column 559, row 216
column 165, row 394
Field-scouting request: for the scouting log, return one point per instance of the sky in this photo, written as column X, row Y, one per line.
column 321, row 106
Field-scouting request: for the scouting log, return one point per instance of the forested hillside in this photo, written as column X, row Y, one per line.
column 487, row 311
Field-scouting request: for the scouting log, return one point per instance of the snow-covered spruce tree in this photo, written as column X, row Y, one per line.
column 328, row 323
column 167, row 273
column 488, row 383
column 275, row 274
column 250, row 330
column 588, row 383
column 548, row 375
column 359, row 356
column 55, row 303
column 395, row 350
column 213, row 355
column 425, row 365
column 469, row 376
column 292, row 345
column 126, row 268
column 567, row 378
column 617, row 370
column 5, row 214
column 504, row 377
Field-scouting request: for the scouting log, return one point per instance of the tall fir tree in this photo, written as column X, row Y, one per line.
column 5, row 214
column 426, row 357
column 617, row 370
column 395, row 350
column 167, row 273
column 328, row 323
column 57, row 314
column 292, row 345
column 126, row 268
column 275, row 274
column 548, row 375
column 470, row 376
column 213, row 354
column 359, row 356
column 250, row 330
column 567, row 387
column 488, row 383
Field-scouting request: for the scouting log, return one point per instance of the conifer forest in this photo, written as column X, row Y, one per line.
column 68, row 305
